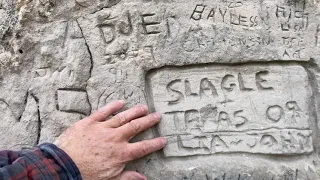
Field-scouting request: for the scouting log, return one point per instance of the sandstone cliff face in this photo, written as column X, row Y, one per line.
column 237, row 82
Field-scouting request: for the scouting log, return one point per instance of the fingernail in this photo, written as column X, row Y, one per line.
column 138, row 177
column 121, row 101
column 106, row 108
column 143, row 177
column 157, row 115
column 164, row 140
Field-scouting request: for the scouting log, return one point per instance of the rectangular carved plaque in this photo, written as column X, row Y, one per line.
column 211, row 109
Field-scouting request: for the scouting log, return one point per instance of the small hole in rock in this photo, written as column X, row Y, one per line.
column 20, row 51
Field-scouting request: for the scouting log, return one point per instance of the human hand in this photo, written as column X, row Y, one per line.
column 100, row 148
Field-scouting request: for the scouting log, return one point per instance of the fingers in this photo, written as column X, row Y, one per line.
column 143, row 148
column 136, row 126
column 131, row 175
column 103, row 113
column 126, row 116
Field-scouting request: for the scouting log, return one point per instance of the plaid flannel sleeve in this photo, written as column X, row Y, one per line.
column 46, row 161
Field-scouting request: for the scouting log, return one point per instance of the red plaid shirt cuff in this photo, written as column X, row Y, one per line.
column 46, row 161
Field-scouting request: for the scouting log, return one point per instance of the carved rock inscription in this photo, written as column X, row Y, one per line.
column 212, row 109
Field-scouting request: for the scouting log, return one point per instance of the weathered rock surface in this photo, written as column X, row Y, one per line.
column 237, row 82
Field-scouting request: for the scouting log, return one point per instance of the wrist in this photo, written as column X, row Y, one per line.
column 62, row 159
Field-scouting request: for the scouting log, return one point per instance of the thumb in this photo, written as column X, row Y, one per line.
column 131, row 175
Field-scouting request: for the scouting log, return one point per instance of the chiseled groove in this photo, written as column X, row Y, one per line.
column 248, row 132
column 91, row 61
column 39, row 128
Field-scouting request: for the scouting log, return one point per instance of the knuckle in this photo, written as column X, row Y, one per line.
column 86, row 119
column 134, row 125
column 113, row 135
column 125, row 155
column 132, row 155
column 144, row 148
column 101, row 113
column 98, row 115
column 154, row 143
column 78, row 125
column 121, row 119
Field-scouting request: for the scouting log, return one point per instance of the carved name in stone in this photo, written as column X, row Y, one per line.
column 254, row 108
